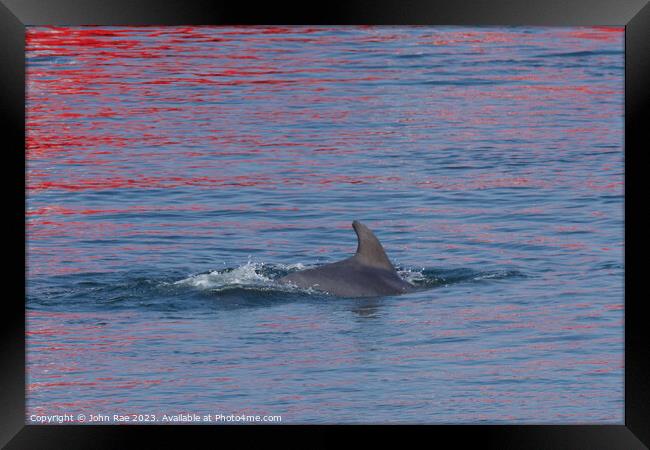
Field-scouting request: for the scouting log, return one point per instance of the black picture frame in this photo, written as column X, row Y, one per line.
column 15, row 15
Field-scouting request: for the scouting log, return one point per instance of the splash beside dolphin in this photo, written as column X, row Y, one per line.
column 369, row 273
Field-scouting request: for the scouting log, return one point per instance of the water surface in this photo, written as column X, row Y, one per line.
column 175, row 172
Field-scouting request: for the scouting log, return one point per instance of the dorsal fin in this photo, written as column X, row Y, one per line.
column 369, row 249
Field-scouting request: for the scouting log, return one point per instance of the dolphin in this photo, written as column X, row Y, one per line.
column 369, row 273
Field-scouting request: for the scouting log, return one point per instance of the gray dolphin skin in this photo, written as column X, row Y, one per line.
column 369, row 273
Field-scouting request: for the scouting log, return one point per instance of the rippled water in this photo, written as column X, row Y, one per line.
column 174, row 173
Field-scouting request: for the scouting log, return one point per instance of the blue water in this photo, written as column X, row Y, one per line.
column 174, row 173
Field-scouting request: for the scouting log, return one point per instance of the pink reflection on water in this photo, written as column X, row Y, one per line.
column 108, row 108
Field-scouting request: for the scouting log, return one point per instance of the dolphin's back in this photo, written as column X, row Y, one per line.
column 368, row 273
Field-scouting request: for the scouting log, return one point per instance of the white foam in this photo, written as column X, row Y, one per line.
column 412, row 275
column 250, row 275
column 244, row 275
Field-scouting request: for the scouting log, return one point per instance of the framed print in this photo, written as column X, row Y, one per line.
column 414, row 214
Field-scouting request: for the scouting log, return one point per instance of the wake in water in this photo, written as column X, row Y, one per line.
column 251, row 284
column 250, row 276
column 262, row 276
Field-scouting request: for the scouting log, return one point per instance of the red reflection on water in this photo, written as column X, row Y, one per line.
column 109, row 108
column 611, row 34
column 64, row 211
